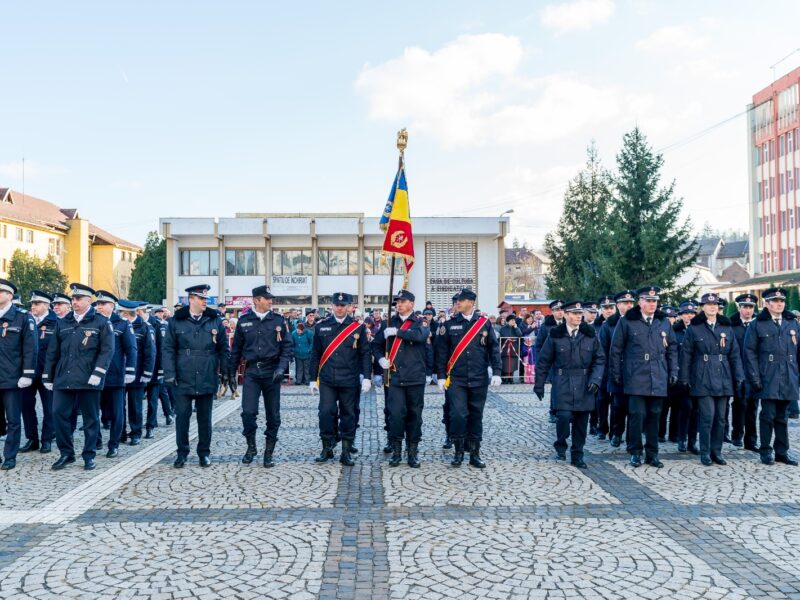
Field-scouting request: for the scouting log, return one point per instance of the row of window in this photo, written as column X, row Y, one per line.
column 787, row 143
column 787, row 182
column 250, row 261
column 785, row 260
column 20, row 234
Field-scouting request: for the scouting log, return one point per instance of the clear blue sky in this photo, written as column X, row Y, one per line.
column 133, row 111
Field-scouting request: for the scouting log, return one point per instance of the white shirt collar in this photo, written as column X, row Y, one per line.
column 259, row 315
column 468, row 317
column 340, row 321
column 571, row 329
column 3, row 311
column 78, row 317
column 402, row 318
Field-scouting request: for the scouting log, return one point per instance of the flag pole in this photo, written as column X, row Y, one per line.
column 402, row 142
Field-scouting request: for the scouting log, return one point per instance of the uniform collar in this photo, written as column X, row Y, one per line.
column 8, row 312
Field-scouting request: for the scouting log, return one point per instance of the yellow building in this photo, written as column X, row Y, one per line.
column 84, row 252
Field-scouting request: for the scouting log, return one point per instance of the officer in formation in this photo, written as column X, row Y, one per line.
column 62, row 305
column 400, row 347
column 607, row 310
column 689, row 414
column 158, row 320
column 78, row 357
column 18, row 356
column 770, row 362
column 644, row 361
column 194, row 348
column 262, row 339
column 448, row 442
column 145, row 364
column 121, row 372
column 573, row 355
column 341, row 363
column 555, row 318
column 467, row 362
column 153, row 387
column 711, row 368
column 45, row 322
column 745, row 404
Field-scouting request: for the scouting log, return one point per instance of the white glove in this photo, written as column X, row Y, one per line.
column 129, row 379
column 314, row 387
column 440, row 383
column 384, row 362
column 144, row 379
column 390, row 331
column 94, row 380
column 489, row 370
column 24, row 382
column 48, row 387
column 366, row 386
column 496, row 381
column 427, row 379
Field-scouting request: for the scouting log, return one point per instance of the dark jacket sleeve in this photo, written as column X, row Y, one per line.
column 493, row 348
column 672, row 353
column 149, row 349
column 429, row 357
column 598, row 364
column 316, row 356
column 418, row 334
column 129, row 350
column 30, row 349
column 751, row 355
column 617, row 349
column 378, row 344
column 365, row 354
column 544, row 362
column 53, row 351
column 223, row 346
column 105, row 352
column 541, row 336
column 442, row 354
column 168, row 349
column 237, row 347
column 737, row 370
column 287, row 348
column 687, row 351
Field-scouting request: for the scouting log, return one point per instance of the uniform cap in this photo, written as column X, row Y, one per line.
column 40, row 296
column 775, row 293
column 128, row 305
column 573, row 306
column 649, row 292
column 262, row 291
column 104, row 296
column 200, row 290
column 342, row 298
column 404, row 295
column 7, row 286
column 746, row 299
column 687, row 306
column 625, row 296
column 556, row 305
column 606, row 300
column 467, row 294
column 590, row 305
column 59, row 298
column 78, row 289
column 711, row 298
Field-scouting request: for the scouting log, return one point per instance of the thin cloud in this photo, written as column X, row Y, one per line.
column 31, row 170
column 579, row 15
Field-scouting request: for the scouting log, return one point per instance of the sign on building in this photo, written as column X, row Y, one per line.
column 449, row 267
column 291, row 285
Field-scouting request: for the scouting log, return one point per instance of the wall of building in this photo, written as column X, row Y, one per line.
column 112, row 268
column 39, row 247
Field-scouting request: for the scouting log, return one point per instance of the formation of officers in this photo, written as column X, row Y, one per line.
column 622, row 373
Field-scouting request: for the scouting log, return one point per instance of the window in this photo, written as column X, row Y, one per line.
column 781, row 146
column 29, row 236
column 791, row 218
column 19, row 234
column 791, row 259
column 783, row 220
column 784, row 258
column 782, row 183
column 373, row 266
column 338, row 262
column 5, row 231
column 199, row 262
column 244, row 262
column 51, row 247
column 765, row 158
column 789, row 181
column 789, row 142
column 291, row 262
column 771, row 149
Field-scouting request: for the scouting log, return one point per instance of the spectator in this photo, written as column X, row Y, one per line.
column 303, row 340
column 509, row 349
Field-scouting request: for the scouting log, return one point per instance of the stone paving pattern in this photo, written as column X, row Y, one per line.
column 528, row 526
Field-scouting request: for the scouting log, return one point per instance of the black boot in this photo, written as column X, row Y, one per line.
column 269, row 448
column 458, row 455
column 412, row 448
column 251, row 451
column 448, row 443
column 345, row 458
column 475, row 455
column 387, row 449
column 397, row 453
column 353, row 449
column 29, row 446
column 327, row 451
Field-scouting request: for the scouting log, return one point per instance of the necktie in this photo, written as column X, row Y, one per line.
column 778, row 322
column 649, row 320
column 574, row 333
column 712, row 326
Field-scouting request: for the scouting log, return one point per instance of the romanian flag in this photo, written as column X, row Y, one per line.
column 396, row 221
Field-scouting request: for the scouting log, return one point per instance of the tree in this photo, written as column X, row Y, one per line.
column 579, row 269
column 793, row 298
column 149, row 276
column 649, row 242
column 31, row 273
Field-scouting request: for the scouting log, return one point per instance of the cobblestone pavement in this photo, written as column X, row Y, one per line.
column 527, row 526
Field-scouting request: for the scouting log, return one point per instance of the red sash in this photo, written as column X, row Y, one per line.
column 396, row 343
column 337, row 341
column 462, row 345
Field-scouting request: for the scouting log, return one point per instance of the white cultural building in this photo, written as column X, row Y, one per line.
column 305, row 258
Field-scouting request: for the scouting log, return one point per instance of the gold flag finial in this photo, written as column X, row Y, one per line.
column 402, row 140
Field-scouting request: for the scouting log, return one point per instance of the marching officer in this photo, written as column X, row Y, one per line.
column 405, row 374
column 44, row 320
column 644, row 361
column 770, row 359
column 670, row 412
column 145, row 363
column 162, row 315
column 194, row 350
column 78, row 357
column 448, row 442
column 262, row 339
column 62, row 305
column 607, row 310
column 619, row 401
column 121, row 372
column 591, row 310
column 745, row 405
column 711, row 367
column 18, row 358
column 340, row 356
column 573, row 353
column 552, row 320
column 153, row 387
column 467, row 349
column 688, row 412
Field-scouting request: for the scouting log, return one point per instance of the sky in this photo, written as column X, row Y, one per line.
column 135, row 111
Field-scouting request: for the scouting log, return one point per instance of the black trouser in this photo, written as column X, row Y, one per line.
column 135, row 410
column 12, row 405
column 112, row 402
column 643, row 416
column 302, row 368
column 711, row 427
column 751, row 422
column 774, row 418
column 603, row 402
column 183, row 415
column 167, row 403
column 619, row 413
column 153, row 392
column 689, row 416
column 385, row 407
column 446, row 411
column 64, row 402
column 256, row 384
column 670, row 409
column 739, row 417
column 580, row 421
column 466, row 411
column 405, row 412
column 337, row 411
column 29, row 418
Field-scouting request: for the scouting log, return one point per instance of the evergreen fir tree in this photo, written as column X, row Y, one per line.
column 149, row 276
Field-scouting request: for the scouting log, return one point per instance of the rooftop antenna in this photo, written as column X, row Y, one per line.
column 792, row 53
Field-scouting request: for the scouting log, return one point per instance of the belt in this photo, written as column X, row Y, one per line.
column 572, row 371
column 721, row 357
column 262, row 364
column 190, row 352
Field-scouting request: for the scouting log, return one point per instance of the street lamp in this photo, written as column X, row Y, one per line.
column 508, row 212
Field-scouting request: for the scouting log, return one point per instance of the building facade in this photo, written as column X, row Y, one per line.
column 526, row 271
column 306, row 258
column 84, row 252
column 774, row 166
